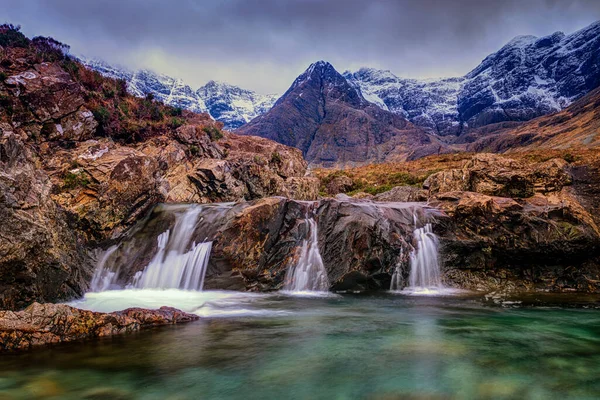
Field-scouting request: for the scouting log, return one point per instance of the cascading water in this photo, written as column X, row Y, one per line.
column 424, row 261
column 176, row 264
column 103, row 276
column 308, row 274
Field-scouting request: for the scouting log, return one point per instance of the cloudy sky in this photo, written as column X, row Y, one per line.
column 264, row 44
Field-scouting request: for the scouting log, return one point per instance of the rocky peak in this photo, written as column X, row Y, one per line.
column 328, row 118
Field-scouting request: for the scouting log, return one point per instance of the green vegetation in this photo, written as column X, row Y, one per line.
column 74, row 180
column 10, row 36
column 213, row 132
column 3, row 76
column 176, row 122
column 276, row 157
column 194, row 150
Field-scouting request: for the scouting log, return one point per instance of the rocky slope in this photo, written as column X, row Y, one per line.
column 526, row 78
column 332, row 123
column 231, row 105
column 81, row 161
column 575, row 128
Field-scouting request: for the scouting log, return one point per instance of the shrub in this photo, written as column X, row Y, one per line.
column 49, row 49
column 10, row 36
column 570, row 158
column 213, row 132
column 194, row 150
column 176, row 122
column 108, row 93
column 276, row 158
column 6, row 104
column 74, row 180
column 175, row 111
column 102, row 115
column 3, row 76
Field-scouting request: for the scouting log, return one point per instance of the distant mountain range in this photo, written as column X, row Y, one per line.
column 229, row 104
column 527, row 78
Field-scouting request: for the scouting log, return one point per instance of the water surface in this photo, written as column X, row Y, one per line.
column 335, row 347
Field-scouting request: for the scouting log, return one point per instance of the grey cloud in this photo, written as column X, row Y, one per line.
column 264, row 44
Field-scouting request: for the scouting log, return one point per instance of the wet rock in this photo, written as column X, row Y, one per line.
column 44, row 324
column 543, row 242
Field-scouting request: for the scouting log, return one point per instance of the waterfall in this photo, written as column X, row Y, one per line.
column 308, row 274
column 177, row 263
column 424, row 260
column 103, row 277
column 397, row 276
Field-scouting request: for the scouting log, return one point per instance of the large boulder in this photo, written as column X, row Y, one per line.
column 497, row 175
column 48, row 324
column 498, row 243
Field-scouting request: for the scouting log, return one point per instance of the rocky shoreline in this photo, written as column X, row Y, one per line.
column 50, row 324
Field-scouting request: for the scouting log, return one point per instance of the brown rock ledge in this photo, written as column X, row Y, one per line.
column 46, row 324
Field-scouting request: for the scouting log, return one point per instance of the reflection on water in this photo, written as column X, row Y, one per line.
column 343, row 347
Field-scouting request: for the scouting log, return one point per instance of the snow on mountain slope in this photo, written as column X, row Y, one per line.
column 526, row 78
column 229, row 104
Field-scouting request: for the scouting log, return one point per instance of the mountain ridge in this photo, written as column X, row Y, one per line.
column 230, row 104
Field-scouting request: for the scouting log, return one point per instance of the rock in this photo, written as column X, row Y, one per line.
column 41, row 257
column 543, row 243
column 45, row 324
column 339, row 184
column 497, row 175
column 402, row 194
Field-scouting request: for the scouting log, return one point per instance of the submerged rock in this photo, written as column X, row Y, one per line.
column 45, row 324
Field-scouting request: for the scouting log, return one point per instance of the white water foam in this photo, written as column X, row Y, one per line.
column 308, row 276
column 209, row 304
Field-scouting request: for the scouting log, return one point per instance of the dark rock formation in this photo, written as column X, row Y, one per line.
column 49, row 324
column 518, row 226
column 41, row 258
column 329, row 120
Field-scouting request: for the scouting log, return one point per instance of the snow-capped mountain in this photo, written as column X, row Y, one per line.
column 229, row 104
column 526, row 78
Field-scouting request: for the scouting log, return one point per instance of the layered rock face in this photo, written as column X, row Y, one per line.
column 331, row 122
column 518, row 226
column 40, row 255
column 255, row 243
column 48, row 324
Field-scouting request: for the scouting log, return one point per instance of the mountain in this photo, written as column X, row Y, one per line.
column 229, row 104
column 327, row 118
column 526, row 78
column 575, row 127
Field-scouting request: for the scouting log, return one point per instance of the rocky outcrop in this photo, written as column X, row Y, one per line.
column 49, row 324
column 108, row 186
column 496, row 175
column 255, row 243
column 41, row 257
column 515, row 225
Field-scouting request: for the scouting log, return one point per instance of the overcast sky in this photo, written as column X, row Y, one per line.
column 264, row 44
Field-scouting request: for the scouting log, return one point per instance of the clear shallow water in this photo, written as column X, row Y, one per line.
column 341, row 347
